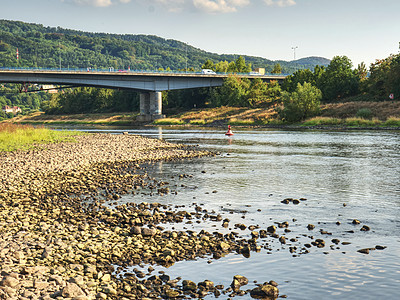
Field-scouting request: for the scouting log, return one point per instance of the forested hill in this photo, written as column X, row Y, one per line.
column 48, row 47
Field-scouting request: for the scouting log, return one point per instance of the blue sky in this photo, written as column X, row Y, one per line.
column 363, row 30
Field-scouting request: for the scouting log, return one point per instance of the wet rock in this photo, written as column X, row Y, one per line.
column 207, row 284
column 365, row 228
column 239, row 281
column 271, row 229
column 365, row 250
column 265, row 291
column 189, row 285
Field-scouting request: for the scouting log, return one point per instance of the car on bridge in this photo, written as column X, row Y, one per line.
column 207, row 71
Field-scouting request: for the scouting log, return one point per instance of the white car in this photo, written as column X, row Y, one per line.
column 207, row 71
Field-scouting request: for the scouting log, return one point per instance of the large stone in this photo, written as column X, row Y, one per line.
column 72, row 290
column 136, row 230
column 238, row 281
column 9, row 281
column 149, row 231
column 189, row 285
column 265, row 291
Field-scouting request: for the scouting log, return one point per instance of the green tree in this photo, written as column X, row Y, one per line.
column 300, row 76
column 241, row 66
column 222, row 67
column 384, row 77
column 301, row 104
column 208, row 65
column 277, row 69
column 339, row 80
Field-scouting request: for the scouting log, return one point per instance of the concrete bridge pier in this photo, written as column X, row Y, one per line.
column 150, row 106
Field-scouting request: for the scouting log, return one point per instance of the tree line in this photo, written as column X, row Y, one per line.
column 52, row 47
column 297, row 98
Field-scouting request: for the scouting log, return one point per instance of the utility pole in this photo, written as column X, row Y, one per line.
column 294, row 52
column 186, row 58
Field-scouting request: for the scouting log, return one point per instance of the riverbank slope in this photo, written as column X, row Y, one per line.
column 348, row 114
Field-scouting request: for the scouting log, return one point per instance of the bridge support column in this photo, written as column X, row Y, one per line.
column 150, row 106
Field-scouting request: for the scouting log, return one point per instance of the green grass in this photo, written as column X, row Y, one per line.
column 197, row 122
column 316, row 121
column 361, row 122
column 242, row 122
column 23, row 137
column 392, row 122
column 169, row 121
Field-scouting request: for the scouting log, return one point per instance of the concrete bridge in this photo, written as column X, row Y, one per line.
column 149, row 84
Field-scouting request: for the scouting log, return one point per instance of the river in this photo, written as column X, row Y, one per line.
column 343, row 175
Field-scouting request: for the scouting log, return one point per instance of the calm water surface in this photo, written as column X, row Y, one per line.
column 257, row 169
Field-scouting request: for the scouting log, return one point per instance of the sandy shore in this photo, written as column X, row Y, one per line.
column 59, row 241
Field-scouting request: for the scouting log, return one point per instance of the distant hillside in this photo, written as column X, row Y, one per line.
column 52, row 47
column 312, row 61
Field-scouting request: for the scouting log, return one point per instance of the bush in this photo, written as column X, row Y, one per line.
column 301, row 104
column 364, row 113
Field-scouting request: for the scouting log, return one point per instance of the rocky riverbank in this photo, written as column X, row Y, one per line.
column 59, row 238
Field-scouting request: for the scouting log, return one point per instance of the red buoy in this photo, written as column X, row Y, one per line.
column 229, row 133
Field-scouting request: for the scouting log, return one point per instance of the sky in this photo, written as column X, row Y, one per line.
column 363, row 30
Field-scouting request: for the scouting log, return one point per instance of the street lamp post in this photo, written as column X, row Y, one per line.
column 294, row 52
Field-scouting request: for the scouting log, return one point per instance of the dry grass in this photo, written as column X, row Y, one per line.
column 381, row 110
column 232, row 115
column 100, row 118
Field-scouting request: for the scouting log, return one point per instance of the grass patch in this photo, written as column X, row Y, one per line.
column 197, row 122
column 360, row 122
column 242, row 122
column 22, row 137
column 169, row 121
column 392, row 122
column 316, row 121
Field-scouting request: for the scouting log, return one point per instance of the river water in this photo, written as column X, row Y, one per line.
column 344, row 175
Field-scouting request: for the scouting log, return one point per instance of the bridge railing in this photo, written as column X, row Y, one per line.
column 112, row 70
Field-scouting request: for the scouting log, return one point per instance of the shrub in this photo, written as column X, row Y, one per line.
column 364, row 113
column 301, row 104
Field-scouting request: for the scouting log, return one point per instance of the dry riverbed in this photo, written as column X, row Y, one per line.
column 59, row 238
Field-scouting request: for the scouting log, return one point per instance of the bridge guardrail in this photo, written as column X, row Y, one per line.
column 128, row 71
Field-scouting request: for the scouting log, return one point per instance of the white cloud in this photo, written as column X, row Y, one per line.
column 280, row 3
column 97, row 3
column 219, row 6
